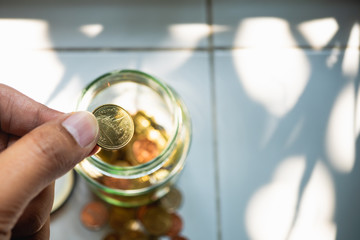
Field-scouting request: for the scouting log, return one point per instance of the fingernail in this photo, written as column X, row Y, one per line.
column 82, row 126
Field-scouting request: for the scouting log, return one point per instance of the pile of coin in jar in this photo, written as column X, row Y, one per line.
column 148, row 141
column 148, row 222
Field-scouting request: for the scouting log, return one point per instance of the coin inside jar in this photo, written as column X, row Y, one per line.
column 116, row 126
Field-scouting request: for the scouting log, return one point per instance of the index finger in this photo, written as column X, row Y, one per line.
column 20, row 114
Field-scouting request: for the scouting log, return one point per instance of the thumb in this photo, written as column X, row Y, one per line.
column 41, row 156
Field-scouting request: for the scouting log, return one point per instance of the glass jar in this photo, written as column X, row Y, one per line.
column 145, row 168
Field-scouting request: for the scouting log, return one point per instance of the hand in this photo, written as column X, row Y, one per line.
column 37, row 145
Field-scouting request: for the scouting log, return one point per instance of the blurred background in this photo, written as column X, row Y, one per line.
column 272, row 88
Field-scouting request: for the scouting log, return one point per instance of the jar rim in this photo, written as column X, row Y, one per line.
column 154, row 164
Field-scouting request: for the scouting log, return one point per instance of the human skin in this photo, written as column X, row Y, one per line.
column 37, row 145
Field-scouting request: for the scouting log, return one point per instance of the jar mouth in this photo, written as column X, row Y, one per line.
column 88, row 101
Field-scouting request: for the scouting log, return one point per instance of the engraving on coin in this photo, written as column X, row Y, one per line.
column 116, row 126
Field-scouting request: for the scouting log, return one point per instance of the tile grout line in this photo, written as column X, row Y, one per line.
column 121, row 49
column 356, row 107
column 200, row 49
column 209, row 19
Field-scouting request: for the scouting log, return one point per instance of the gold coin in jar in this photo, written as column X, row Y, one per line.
column 116, row 126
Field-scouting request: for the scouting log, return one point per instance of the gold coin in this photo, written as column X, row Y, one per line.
column 176, row 225
column 116, row 183
column 133, row 235
column 145, row 150
column 157, row 221
column 116, row 126
column 171, row 201
column 94, row 215
column 120, row 216
column 179, row 238
column 112, row 236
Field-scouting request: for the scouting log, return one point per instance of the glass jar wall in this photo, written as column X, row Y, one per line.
column 145, row 168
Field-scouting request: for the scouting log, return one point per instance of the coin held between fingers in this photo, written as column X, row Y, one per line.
column 116, row 126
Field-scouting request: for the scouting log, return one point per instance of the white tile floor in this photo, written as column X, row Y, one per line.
column 281, row 23
column 273, row 95
column 114, row 24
